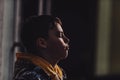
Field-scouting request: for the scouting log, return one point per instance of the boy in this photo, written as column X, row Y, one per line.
column 45, row 45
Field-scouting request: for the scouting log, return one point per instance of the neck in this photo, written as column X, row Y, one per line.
column 51, row 60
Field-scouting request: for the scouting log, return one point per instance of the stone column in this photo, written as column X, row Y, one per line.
column 103, row 38
column 7, row 40
column 1, row 26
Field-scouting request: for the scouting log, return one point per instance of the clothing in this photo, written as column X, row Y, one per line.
column 30, row 67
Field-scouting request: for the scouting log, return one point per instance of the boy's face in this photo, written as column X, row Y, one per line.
column 57, row 43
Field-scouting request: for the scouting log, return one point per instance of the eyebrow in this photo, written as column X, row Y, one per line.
column 60, row 32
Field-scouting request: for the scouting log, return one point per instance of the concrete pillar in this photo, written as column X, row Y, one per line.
column 7, row 40
column 103, row 38
column 44, row 7
column 1, row 27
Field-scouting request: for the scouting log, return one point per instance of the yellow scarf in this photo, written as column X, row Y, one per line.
column 54, row 72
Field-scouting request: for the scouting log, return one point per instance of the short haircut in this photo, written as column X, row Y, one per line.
column 35, row 27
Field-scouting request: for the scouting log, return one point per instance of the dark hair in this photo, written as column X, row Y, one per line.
column 34, row 27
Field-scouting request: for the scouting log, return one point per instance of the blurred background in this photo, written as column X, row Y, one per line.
column 93, row 27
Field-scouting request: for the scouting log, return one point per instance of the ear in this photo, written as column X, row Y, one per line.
column 41, row 42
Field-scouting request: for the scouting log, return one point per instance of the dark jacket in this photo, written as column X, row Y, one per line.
column 26, row 70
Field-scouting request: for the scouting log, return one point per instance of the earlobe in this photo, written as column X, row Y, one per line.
column 41, row 42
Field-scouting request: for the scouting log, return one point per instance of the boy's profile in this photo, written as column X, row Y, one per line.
column 45, row 45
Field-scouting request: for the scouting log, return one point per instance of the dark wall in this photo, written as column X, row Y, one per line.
column 79, row 23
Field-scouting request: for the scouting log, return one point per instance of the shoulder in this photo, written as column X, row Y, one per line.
column 31, row 75
column 27, row 75
column 27, row 71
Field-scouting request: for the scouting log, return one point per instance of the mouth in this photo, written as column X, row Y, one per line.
column 67, row 47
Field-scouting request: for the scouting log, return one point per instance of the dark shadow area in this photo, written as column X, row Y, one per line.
column 79, row 23
column 108, row 77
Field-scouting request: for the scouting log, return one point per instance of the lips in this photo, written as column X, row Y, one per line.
column 67, row 47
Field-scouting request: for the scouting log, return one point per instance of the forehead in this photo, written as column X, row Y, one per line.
column 58, row 27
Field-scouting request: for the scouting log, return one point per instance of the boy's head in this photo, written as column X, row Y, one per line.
column 35, row 27
column 44, row 35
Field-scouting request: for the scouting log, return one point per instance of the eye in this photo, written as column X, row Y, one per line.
column 60, row 34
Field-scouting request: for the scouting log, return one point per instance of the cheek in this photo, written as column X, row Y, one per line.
column 58, row 48
column 60, row 43
column 57, row 44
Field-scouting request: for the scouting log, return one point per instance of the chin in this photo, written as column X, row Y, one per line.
column 65, row 56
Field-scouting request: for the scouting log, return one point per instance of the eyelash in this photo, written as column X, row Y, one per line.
column 60, row 35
